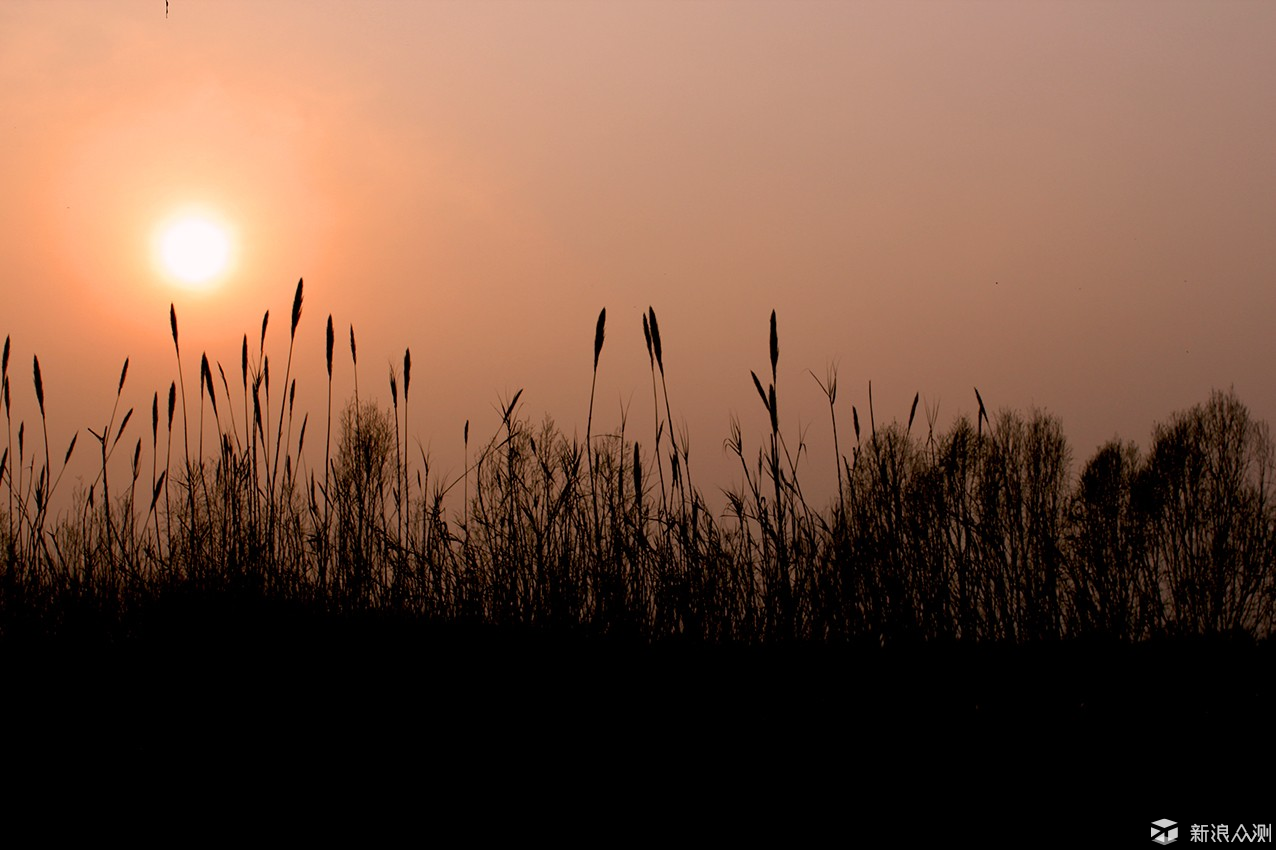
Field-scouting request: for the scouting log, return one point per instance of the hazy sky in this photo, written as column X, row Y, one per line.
column 1068, row 205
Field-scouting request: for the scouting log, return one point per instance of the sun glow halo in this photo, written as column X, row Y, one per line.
column 194, row 249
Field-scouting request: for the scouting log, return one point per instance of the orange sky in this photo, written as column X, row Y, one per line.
column 1064, row 204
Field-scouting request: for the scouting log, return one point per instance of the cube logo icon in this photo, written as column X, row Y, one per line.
column 1165, row 831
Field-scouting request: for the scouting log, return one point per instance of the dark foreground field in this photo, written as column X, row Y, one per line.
column 232, row 703
column 245, row 662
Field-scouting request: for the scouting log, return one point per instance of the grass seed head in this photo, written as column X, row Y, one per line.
column 296, row 311
column 205, row 373
column 637, row 475
column 761, row 392
column 159, row 487
column 646, row 333
column 655, row 338
column 510, row 409
column 39, row 383
column 598, row 336
column 123, row 424
column 775, row 346
column 329, row 346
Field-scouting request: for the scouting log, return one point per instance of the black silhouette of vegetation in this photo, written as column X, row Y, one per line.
column 976, row 534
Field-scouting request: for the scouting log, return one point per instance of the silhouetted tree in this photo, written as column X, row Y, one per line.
column 1110, row 587
column 1207, row 493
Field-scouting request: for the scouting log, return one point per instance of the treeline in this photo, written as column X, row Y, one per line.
column 983, row 532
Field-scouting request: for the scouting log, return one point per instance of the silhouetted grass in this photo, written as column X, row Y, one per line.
column 978, row 534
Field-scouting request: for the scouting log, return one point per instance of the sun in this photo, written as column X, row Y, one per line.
column 194, row 249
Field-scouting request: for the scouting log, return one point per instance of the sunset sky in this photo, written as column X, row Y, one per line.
column 1067, row 205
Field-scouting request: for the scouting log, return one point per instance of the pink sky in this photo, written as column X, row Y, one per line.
column 1067, row 205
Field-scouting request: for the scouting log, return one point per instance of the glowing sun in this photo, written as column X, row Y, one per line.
column 194, row 249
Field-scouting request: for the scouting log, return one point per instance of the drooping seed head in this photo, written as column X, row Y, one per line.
column 761, row 392
column 159, row 486
column 208, row 379
column 128, row 415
